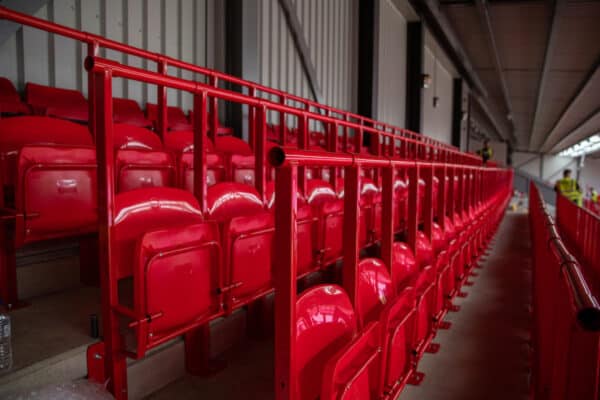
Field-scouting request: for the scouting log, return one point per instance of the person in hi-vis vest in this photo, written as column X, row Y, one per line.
column 485, row 152
column 569, row 188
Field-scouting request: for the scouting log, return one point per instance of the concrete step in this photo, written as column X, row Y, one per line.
column 41, row 360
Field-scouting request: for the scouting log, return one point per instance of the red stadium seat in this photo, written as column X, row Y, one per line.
column 161, row 240
column 325, row 323
column 57, row 102
column 140, row 161
column 127, row 111
column 377, row 300
column 176, row 119
column 400, row 203
column 50, row 169
column 246, row 237
column 10, row 102
column 425, row 292
column 182, row 144
column 305, row 231
column 328, row 209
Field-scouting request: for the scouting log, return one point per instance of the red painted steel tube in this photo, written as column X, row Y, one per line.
column 351, row 239
column 284, row 276
column 214, row 76
column 114, row 359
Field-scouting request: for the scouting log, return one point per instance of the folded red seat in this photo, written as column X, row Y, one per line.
column 161, row 240
column 140, row 160
column 333, row 360
column 392, row 304
column 329, row 211
column 49, row 173
column 10, row 101
column 56, row 102
column 181, row 144
column 246, row 239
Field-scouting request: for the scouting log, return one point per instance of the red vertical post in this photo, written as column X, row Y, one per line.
column 351, row 230
column 442, row 193
column 451, row 193
column 284, row 276
column 428, row 173
column 460, row 198
column 282, row 122
column 214, row 111
column 92, row 51
column 251, row 119
column 162, row 120
column 332, row 146
column 302, row 144
column 413, row 201
column 387, row 216
column 260, row 167
column 115, row 365
column 200, row 145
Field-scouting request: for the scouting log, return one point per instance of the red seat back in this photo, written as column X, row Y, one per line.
column 126, row 136
column 57, row 102
column 10, row 101
column 128, row 111
column 247, row 235
column 404, row 266
column 139, row 159
column 375, row 290
column 329, row 210
column 141, row 211
column 176, row 119
column 325, row 323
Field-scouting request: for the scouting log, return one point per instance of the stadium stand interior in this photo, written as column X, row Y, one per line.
column 322, row 254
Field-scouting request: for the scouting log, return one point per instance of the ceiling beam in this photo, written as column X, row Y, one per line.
column 486, row 21
column 590, row 117
column 580, row 89
column 557, row 12
column 295, row 27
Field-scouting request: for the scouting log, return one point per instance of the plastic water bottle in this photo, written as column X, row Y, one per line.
column 5, row 346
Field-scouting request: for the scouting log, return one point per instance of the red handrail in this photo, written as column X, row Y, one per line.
column 94, row 42
column 566, row 335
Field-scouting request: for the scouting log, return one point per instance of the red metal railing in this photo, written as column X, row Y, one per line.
column 214, row 78
column 580, row 229
column 477, row 187
column 566, row 331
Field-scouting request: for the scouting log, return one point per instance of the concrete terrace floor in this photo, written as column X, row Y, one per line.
column 483, row 356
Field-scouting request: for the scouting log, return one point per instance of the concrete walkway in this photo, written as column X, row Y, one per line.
column 485, row 353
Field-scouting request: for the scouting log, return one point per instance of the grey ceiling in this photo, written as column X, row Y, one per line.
column 548, row 54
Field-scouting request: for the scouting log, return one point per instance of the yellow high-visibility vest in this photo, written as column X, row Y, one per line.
column 568, row 188
column 594, row 196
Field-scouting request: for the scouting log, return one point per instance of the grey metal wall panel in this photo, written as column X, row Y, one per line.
column 179, row 28
column 391, row 90
column 437, row 121
column 327, row 27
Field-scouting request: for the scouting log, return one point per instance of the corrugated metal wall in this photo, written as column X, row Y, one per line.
column 391, row 88
column 330, row 32
column 182, row 29
column 437, row 121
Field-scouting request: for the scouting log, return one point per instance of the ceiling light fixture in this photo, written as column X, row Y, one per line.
column 586, row 146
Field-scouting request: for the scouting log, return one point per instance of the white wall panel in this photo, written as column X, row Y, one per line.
column 391, row 84
column 437, row 121
column 179, row 28
column 328, row 28
column 590, row 174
